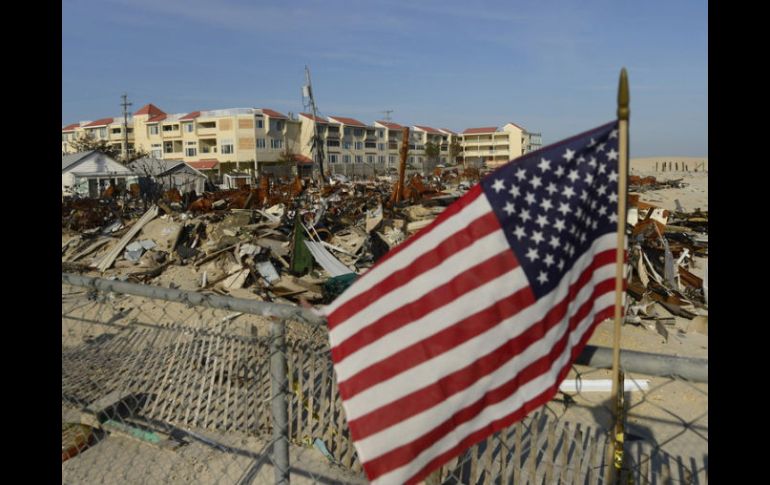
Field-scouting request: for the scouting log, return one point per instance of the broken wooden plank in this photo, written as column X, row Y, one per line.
column 110, row 257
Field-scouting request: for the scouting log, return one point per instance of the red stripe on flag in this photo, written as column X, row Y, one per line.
column 436, row 298
column 479, row 228
column 430, row 395
column 406, row 453
column 437, row 344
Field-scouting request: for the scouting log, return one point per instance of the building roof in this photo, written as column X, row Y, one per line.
column 428, row 129
column 71, row 127
column 486, row 129
column 274, row 114
column 206, row 164
column 101, row 122
column 448, row 131
column 73, row 158
column 389, row 125
column 317, row 119
column 347, row 121
column 302, row 159
column 190, row 116
column 153, row 166
column 156, row 118
column 517, row 126
column 182, row 166
column 149, row 109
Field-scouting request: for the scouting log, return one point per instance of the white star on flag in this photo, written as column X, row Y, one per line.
column 498, row 185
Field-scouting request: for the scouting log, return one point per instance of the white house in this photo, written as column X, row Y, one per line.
column 88, row 173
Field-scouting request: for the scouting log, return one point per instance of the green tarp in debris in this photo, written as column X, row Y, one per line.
column 301, row 259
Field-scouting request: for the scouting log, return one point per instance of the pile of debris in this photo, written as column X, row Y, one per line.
column 666, row 250
column 279, row 240
column 643, row 184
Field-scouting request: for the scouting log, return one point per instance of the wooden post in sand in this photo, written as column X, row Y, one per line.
column 399, row 193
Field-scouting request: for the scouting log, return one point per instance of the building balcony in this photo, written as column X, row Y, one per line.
column 206, row 131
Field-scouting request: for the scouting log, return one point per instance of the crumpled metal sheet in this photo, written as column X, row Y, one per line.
column 328, row 262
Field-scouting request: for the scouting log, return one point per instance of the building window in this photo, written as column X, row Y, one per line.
column 332, row 158
column 227, row 146
column 102, row 132
column 381, row 146
column 170, row 127
column 115, row 131
column 391, row 159
column 261, row 143
column 380, row 134
column 168, row 147
column 153, row 129
column 260, row 123
column 345, row 158
column 370, row 159
column 358, row 132
column 191, row 151
column 188, row 127
column 346, row 145
column 156, row 150
column 411, row 159
column 276, row 144
column 359, row 159
column 359, row 145
column 346, row 131
column 381, row 159
column 332, row 143
column 278, row 125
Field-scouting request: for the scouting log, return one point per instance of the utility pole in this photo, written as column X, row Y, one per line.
column 125, row 105
column 387, row 114
column 307, row 92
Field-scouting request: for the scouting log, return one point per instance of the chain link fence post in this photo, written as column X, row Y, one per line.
column 279, row 403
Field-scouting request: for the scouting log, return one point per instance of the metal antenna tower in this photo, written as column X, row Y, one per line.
column 307, row 92
column 387, row 114
column 125, row 105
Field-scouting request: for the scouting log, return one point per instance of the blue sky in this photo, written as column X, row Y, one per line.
column 550, row 66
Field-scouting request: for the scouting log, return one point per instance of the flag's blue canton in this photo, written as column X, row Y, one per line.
column 553, row 203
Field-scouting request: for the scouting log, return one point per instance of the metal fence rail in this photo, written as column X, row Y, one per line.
column 165, row 385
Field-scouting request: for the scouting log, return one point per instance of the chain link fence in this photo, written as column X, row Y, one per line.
column 167, row 386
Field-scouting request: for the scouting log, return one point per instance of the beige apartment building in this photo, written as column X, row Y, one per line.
column 108, row 129
column 250, row 140
column 495, row 146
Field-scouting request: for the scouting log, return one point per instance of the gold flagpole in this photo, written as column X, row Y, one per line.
column 615, row 461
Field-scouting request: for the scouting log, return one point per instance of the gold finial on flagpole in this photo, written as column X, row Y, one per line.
column 623, row 96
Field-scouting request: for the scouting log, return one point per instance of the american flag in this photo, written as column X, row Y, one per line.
column 474, row 322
